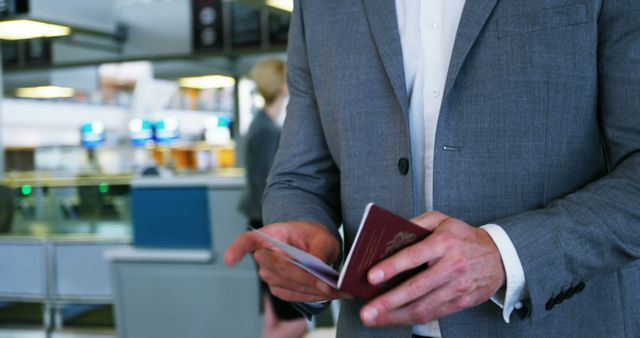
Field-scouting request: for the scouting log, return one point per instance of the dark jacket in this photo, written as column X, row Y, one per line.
column 261, row 147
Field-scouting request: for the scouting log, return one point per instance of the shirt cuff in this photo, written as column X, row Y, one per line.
column 509, row 298
column 310, row 309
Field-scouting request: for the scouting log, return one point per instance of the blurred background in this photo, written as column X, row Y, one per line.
column 122, row 124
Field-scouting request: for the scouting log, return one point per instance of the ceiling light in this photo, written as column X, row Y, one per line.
column 29, row 29
column 207, row 82
column 285, row 5
column 44, row 92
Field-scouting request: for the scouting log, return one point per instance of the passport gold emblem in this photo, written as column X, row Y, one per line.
column 401, row 240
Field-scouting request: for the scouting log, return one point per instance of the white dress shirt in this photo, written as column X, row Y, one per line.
column 427, row 32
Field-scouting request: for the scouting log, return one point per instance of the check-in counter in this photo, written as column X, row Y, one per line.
column 23, row 263
column 56, row 271
column 172, row 281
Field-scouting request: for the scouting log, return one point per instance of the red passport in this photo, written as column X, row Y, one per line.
column 381, row 234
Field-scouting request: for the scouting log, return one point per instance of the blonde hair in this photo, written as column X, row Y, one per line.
column 269, row 76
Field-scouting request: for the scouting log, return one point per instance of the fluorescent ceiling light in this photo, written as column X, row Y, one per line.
column 29, row 29
column 206, row 82
column 44, row 92
column 285, row 5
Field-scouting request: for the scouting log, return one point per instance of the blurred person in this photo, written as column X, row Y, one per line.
column 509, row 128
column 6, row 209
column 281, row 319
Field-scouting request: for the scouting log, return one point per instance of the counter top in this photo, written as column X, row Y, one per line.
column 220, row 177
column 131, row 254
column 45, row 180
column 189, row 181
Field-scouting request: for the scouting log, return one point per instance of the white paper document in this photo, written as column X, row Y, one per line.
column 306, row 261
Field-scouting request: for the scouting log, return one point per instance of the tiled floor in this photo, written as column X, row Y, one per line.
column 4, row 333
column 319, row 333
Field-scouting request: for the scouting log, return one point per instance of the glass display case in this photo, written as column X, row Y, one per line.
column 82, row 206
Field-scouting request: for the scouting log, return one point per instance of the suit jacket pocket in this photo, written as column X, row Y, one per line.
column 542, row 20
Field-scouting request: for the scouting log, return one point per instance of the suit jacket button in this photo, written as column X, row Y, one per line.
column 403, row 165
column 524, row 313
column 580, row 287
column 551, row 303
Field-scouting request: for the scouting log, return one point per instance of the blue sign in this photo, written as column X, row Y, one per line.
column 224, row 121
column 140, row 132
column 93, row 134
column 166, row 131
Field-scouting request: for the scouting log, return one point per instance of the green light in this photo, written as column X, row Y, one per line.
column 26, row 189
column 104, row 187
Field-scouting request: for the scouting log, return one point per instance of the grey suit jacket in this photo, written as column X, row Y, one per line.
column 539, row 132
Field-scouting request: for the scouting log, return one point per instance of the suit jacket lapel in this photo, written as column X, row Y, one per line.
column 383, row 23
column 474, row 17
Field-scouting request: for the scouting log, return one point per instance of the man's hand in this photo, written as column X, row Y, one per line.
column 287, row 281
column 464, row 270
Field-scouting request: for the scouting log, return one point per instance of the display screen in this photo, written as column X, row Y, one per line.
column 34, row 52
column 278, row 28
column 10, row 53
column 207, row 25
column 245, row 26
column 9, row 8
column 38, row 52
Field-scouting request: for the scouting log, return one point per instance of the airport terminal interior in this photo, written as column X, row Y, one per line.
column 121, row 128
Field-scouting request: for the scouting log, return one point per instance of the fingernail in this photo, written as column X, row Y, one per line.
column 376, row 276
column 370, row 315
column 345, row 295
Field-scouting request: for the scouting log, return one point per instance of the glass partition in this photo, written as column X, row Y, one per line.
column 92, row 206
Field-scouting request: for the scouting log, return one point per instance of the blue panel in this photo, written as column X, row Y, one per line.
column 171, row 218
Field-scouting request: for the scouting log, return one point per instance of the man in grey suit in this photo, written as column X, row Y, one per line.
column 537, row 133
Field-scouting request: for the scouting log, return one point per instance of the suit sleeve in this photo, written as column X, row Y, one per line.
column 304, row 182
column 597, row 229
